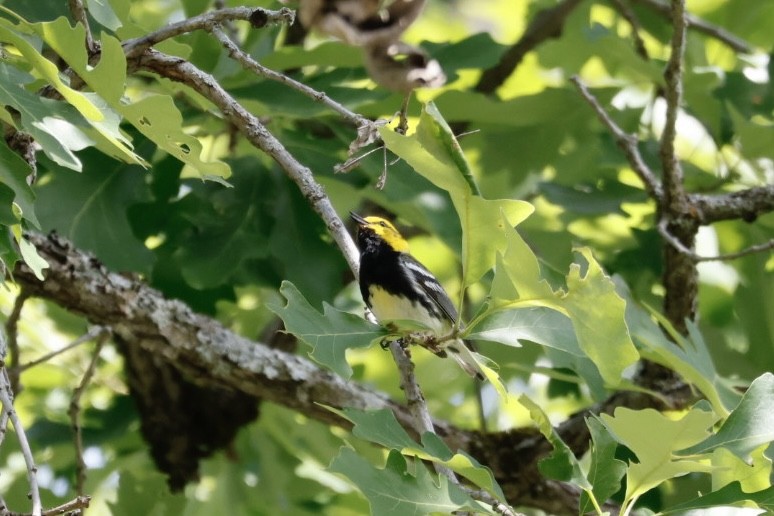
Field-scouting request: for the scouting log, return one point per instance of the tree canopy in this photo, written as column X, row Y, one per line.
column 592, row 182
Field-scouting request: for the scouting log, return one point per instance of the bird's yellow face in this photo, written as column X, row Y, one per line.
column 383, row 229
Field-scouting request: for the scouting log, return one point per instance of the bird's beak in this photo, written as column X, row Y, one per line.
column 357, row 218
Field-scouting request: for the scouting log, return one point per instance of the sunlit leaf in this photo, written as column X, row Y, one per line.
column 381, row 427
column 591, row 299
column 329, row 333
column 103, row 12
column 730, row 495
column 605, row 471
column 749, row 425
column 654, row 438
column 688, row 356
column 434, row 153
column 397, row 490
column 561, row 464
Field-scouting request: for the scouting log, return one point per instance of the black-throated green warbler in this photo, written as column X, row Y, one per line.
column 396, row 287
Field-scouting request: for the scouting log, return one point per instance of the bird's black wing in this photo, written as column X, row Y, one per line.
column 427, row 282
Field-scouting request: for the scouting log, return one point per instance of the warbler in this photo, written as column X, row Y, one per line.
column 396, row 287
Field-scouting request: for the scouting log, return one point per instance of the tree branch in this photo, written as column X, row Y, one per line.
column 180, row 70
column 252, row 65
column 634, row 23
column 699, row 25
column 257, row 16
column 546, row 24
column 215, row 356
column 197, row 344
column 79, row 502
column 6, row 398
column 675, row 215
column 627, row 142
column 75, row 413
column 79, row 15
column 674, row 193
column 12, row 334
column 745, row 204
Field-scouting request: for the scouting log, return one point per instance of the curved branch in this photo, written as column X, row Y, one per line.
column 6, row 398
column 251, row 64
column 699, row 25
column 546, row 24
column 206, row 21
column 142, row 317
column 180, row 70
column 627, row 143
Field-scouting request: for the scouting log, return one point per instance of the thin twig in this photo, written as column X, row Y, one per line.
column 79, row 15
column 675, row 242
column 347, row 166
column 12, row 333
column 251, row 64
column 134, row 47
column 546, row 24
column 92, row 333
column 6, row 398
column 228, row 24
column 497, row 506
column 415, row 400
column 634, row 23
column 79, row 502
column 75, row 414
column 254, row 131
column 627, row 142
column 699, row 25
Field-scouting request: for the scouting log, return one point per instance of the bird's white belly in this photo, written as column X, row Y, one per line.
column 387, row 308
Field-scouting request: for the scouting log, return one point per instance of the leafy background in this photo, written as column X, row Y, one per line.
column 143, row 173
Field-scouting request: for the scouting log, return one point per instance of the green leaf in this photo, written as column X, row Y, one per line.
column 330, row 334
column 605, row 471
column 730, row 495
column 435, row 154
column 103, row 13
column 30, row 256
column 654, row 438
column 749, row 425
column 546, row 107
column 754, row 474
column 517, row 274
column 107, row 78
column 329, row 53
column 537, row 324
column 597, row 313
column 755, row 137
column 158, row 118
column 381, row 427
column 155, row 116
column 90, row 209
column 378, row 426
column 48, row 70
column 561, row 464
column 688, row 356
column 41, row 118
column 396, row 490
column 231, row 229
column 483, row 231
column 13, row 174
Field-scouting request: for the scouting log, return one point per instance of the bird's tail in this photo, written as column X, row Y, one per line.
column 468, row 359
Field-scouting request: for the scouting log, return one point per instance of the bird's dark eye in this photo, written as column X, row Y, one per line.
column 383, row 224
